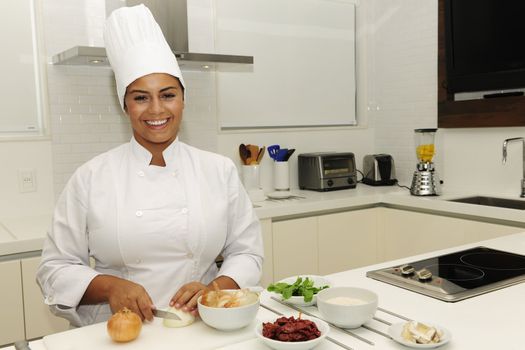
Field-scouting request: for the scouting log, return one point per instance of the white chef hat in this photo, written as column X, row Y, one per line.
column 136, row 47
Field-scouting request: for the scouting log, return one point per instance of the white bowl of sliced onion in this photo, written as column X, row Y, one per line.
column 228, row 309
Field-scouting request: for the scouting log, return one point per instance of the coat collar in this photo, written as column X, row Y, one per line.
column 143, row 156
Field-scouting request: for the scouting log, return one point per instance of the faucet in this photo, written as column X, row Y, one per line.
column 523, row 155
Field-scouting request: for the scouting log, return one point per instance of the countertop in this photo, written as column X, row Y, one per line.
column 21, row 235
column 489, row 321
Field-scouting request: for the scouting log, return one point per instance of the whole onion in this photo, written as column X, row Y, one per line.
column 124, row 325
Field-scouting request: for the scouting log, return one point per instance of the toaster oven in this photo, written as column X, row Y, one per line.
column 327, row 171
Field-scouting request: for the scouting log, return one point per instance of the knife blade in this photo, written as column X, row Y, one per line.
column 165, row 314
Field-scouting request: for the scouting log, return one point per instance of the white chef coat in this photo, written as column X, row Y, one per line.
column 160, row 227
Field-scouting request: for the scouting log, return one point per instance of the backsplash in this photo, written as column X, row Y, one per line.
column 404, row 84
column 86, row 118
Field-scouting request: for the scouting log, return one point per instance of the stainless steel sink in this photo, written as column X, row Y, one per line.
column 492, row 202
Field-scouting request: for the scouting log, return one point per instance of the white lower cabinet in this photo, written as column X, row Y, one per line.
column 295, row 247
column 11, row 306
column 479, row 231
column 347, row 240
column 336, row 242
column 404, row 233
column 39, row 321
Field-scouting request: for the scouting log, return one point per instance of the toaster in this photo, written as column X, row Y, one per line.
column 379, row 170
column 327, row 171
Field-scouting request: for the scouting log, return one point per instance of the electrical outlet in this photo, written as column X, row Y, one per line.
column 26, row 180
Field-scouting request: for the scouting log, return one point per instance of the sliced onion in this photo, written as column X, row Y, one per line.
column 186, row 318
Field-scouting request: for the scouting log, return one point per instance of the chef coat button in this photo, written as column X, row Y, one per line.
column 189, row 255
column 184, row 210
column 140, row 173
column 138, row 213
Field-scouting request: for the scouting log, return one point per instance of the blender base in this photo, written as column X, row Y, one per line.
column 425, row 183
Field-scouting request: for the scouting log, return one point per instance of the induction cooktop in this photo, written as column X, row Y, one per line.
column 457, row 276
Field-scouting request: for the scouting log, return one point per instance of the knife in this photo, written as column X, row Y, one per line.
column 165, row 314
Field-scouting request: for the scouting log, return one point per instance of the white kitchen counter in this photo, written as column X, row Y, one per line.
column 490, row 321
column 27, row 234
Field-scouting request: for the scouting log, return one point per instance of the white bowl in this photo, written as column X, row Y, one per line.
column 319, row 281
column 323, row 327
column 228, row 319
column 347, row 316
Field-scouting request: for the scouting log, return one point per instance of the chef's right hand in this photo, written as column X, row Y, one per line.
column 119, row 293
column 124, row 293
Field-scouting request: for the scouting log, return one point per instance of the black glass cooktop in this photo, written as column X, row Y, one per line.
column 459, row 275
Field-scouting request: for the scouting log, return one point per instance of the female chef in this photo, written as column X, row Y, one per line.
column 141, row 225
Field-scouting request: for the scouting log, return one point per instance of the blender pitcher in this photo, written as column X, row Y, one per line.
column 425, row 181
column 425, row 144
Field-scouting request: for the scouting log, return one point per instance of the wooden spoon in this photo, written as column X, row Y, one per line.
column 254, row 152
column 261, row 154
column 244, row 153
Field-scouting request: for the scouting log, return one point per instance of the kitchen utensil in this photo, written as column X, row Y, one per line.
column 281, row 175
column 273, row 150
column 165, row 314
column 254, row 152
column 289, row 154
column 251, row 177
column 425, row 181
column 281, row 154
column 244, row 153
column 261, row 154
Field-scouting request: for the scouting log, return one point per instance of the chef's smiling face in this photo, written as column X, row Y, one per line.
column 154, row 104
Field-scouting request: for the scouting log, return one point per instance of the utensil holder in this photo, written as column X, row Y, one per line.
column 251, row 177
column 281, row 176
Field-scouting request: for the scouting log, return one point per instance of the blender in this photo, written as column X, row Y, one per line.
column 425, row 181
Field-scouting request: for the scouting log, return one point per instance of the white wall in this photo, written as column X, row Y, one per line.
column 404, row 78
column 473, row 161
column 17, row 155
column 397, row 68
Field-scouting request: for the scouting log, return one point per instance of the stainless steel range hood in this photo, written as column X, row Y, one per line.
column 172, row 16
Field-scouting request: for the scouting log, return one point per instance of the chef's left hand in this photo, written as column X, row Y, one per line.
column 186, row 297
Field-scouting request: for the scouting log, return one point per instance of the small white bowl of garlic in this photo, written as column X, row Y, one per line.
column 419, row 335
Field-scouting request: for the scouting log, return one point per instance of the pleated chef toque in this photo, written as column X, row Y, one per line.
column 136, row 47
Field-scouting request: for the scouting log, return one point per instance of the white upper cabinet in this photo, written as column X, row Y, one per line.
column 304, row 63
column 21, row 91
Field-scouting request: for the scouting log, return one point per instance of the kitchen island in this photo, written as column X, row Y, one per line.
column 488, row 321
